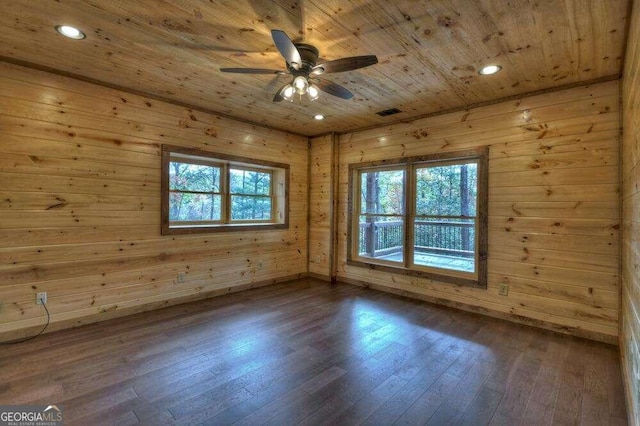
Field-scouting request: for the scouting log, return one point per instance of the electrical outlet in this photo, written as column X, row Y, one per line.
column 181, row 277
column 41, row 298
column 503, row 289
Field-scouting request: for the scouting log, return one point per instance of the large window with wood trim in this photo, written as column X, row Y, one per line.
column 211, row 192
column 424, row 216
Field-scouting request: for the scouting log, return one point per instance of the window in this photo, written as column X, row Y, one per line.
column 424, row 216
column 209, row 192
column 250, row 195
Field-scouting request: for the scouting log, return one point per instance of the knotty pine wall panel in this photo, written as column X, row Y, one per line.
column 80, row 204
column 321, row 153
column 630, row 320
column 554, row 206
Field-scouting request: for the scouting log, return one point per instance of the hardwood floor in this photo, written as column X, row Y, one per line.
column 308, row 353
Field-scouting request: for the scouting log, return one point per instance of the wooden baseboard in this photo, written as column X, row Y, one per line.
column 573, row 331
column 322, row 277
column 22, row 333
column 626, row 384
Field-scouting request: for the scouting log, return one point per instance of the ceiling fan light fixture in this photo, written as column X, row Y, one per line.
column 301, row 84
column 70, row 32
column 288, row 92
column 313, row 92
column 490, row 69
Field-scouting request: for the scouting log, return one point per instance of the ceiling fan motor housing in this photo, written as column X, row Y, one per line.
column 309, row 55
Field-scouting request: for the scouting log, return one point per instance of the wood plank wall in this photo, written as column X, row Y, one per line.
column 80, row 204
column 320, row 179
column 630, row 327
column 553, row 206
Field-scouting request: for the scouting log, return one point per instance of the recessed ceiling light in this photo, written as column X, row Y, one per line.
column 319, row 117
column 71, row 32
column 490, row 69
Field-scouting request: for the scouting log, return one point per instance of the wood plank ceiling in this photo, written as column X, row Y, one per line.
column 429, row 51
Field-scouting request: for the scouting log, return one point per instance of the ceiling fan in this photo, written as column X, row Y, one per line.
column 301, row 61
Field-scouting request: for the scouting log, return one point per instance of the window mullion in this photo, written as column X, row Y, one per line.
column 409, row 201
column 356, row 176
column 180, row 191
column 227, row 194
column 272, row 192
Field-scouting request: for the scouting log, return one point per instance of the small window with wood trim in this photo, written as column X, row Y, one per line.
column 211, row 192
column 423, row 216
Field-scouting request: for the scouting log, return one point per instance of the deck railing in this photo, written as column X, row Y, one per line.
column 453, row 238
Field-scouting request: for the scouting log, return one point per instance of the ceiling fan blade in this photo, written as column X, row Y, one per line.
column 252, row 71
column 278, row 96
column 287, row 49
column 333, row 88
column 345, row 64
column 275, row 81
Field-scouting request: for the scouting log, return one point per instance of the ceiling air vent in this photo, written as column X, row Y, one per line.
column 389, row 111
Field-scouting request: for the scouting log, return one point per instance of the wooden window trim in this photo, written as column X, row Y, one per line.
column 225, row 162
column 479, row 155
